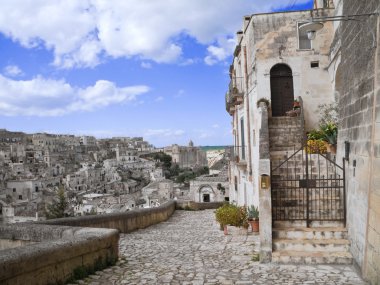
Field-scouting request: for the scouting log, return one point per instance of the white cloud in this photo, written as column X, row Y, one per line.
column 48, row 97
column 146, row 65
column 159, row 99
column 83, row 33
column 163, row 133
column 13, row 71
column 180, row 93
column 221, row 51
column 215, row 126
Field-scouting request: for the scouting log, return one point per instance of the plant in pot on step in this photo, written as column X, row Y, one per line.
column 229, row 214
column 330, row 134
column 296, row 104
column 253, row 218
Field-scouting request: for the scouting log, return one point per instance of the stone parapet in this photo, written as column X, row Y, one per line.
column 181, row 205
column 56, row 251
column 124, row 222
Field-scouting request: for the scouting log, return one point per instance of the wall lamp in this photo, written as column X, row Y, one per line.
column 316, row 23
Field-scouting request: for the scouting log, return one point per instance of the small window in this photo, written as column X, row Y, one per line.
column 14, row 190
column 236, row 182
column 37, row 189
column 20, row 197
column 303, row 40
column 314, row 64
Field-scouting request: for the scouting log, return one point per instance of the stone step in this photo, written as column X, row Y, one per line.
column 311, row 245
column 304, row 257
column 273, row 121
column 313, row 225
column 305, row 233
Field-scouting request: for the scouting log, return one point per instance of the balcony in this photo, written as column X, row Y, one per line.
column 235, row 95
column 238, row 156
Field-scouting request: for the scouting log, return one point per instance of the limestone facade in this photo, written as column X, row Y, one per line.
column 267, row 43
column 355, row 76
column 187, row 156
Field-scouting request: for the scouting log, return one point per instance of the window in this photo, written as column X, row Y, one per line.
column 242, row 139
column 314, row 64
column 303, row 40
column 20, row 197
column 37, row 189
column 14, row 190
column 236, row 182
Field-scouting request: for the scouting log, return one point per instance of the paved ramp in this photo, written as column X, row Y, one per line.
column 190, row 249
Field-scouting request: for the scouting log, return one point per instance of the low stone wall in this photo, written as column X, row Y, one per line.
column 124, row 222
column 190, row 205
column 63, row 249
column 55, row 254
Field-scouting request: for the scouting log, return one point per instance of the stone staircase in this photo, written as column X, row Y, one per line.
column 318, row 244
column 323, row 242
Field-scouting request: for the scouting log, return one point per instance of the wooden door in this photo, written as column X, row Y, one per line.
column 282, row 93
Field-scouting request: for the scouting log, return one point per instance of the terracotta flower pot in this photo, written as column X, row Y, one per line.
column 255, row 226
column 225, row 230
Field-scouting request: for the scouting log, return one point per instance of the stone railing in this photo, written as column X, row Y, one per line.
column 190, row 205
column 124, row 222
column 57, row 251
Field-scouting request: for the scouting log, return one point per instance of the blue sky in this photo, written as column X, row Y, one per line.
column 157, row 69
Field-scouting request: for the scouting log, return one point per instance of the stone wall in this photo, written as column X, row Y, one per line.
column 181, row 205
column 55, row 254
column 357, row 82
column 124, row 222
column 51, row 252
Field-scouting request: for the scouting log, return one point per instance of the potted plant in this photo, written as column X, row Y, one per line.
column 330, row 134
column 263, row 100
column 296, row 104
column 253, row 218
column 230, row 214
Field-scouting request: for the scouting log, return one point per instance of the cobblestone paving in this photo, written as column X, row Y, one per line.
column 190, row 249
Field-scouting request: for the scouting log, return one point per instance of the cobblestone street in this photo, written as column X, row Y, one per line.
column 190, row 249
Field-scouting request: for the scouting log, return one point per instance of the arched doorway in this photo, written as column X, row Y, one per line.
column 206, row 194
column 281, row 86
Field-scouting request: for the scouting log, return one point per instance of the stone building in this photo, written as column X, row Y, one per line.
column 273, row 61
column 344, row 64
column 354, row 69
column 187, row 156
column 210, row 188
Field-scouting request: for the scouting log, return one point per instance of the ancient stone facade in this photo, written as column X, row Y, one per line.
column 206, row 189
column 187, row 156
column 355, row 70
column 270, row 45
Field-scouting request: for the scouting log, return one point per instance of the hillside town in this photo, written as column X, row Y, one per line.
column 98, row 176
column 286, row 190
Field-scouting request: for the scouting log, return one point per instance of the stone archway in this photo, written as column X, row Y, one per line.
column 282, row 91
column 206, row 194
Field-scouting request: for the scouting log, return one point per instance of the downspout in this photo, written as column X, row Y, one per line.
column 249, row 166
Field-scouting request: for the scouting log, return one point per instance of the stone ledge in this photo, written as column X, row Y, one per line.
column 60, row 247
column 56, row 253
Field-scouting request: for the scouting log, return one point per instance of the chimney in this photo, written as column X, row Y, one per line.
column 246, row 22
column 239, row 36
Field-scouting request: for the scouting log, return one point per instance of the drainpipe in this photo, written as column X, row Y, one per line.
column 249, row 166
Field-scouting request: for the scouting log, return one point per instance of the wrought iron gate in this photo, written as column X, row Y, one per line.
column 308, row 187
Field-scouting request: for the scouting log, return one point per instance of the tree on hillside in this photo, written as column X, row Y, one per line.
column 57, row 209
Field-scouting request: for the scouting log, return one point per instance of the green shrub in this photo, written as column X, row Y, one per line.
column 230, row 214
